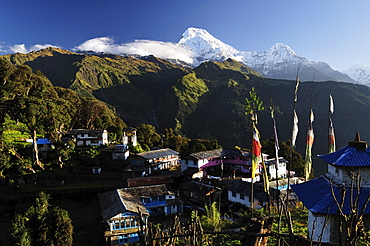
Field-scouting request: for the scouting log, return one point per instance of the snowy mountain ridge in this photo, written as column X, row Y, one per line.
column 205, row 46
column 279, row 62
column 359, row 72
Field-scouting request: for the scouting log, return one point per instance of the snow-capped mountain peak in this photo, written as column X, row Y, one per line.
column 282, row 50
column 280, row 61
column 205, row 46
column 359, row 72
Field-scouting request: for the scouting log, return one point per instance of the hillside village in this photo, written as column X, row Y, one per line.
column 160, row 183
column 124, row 184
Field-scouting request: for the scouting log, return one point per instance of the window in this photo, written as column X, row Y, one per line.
column 233, row 194
column 116, row 225
column 241, row 196
column 145, row 200
column 123, row 238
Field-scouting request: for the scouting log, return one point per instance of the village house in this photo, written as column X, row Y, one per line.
column 213, row 161
column 136, row 171
column 240, row 192
column 319, row 195
column 122, row 214
column 199, row 193
column 156, row 160
column 199, row 159
column 274, row 173
column 86, row 137
column 121, row 152
column 192, row 173
column 43, row 146
column 157, row 199
column 121, row 210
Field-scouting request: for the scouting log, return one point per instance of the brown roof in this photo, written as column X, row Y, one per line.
column 151, row 180
column 118, row 201
column 200, row 188
column 148, row 191
column 190, row 171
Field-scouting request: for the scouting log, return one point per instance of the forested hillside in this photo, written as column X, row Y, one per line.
column 205, row 102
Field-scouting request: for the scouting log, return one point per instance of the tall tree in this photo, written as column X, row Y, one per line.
column 61, row 228
column 19, row 232
column 147, row 135
column 40, row 225
column 174, row 141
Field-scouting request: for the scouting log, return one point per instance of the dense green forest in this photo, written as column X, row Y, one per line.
column 206, row 102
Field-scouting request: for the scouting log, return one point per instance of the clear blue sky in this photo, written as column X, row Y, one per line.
column 333, row 31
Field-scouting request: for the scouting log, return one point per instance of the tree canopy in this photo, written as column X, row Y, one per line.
column 42, row 225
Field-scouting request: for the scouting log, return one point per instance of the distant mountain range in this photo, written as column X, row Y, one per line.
column 360, row 73
column 279, row 62
column 197, row 46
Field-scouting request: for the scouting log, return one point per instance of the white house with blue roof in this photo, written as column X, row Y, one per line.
column 322, row 196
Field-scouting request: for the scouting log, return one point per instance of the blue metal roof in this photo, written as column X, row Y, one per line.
column 316, row 195
column 43, row 141
column 349, row 157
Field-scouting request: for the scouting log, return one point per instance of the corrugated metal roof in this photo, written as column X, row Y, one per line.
column 216, row 153
column 157, row 153
column 316, row 195
column 206, row 154
column 234, row 152
column 348, row 156
column 121, row 148
column 43, row 141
